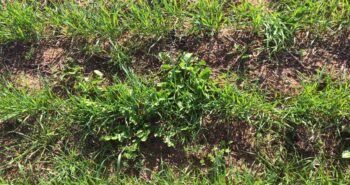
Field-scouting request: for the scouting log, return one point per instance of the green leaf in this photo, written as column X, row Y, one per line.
column 346, row 129
column 180, row 105
column 182, row 65
column 162, row 84
column 117, row 137
column 202, row 63
column 143, row 134
column 169, row 142
column 205, row 74
column 166, row 67
column 187, row 57
column 163, row 56
column 346, row 154
column 98, row 73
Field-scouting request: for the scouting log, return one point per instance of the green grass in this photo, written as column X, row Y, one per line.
column 99, row 21
column 96, row 127
column 21, row 22
column 69, row 173
column 132, row 112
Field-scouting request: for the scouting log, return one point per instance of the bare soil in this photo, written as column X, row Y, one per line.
column 240, row 52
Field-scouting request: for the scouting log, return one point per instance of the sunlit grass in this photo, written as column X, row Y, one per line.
column 92, row 132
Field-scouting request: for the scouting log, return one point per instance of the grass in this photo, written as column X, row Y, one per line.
column 101, row 21
column 226, row 176
column 185, row 122
column 132, row 112
column 21, row 22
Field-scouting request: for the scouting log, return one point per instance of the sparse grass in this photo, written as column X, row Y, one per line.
column 86, row 127
column 100, row 21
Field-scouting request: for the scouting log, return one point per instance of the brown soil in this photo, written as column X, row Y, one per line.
column 30, row 65
column 240, row 52
column 27, row 63
column 241, row 133
column 258, row 2
column 229, row 51
column 308, row 144
column 241, row 151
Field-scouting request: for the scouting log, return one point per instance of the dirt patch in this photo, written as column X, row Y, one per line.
column 29, row 65
column 308, row 144
column 331, row 142
column 51, row 55
column 242, row 53
column 237, row 136
column 41, row 58
column 24, row 80
column 229, row 51
column 156, row 151
column 304, row 141
column 258, row 2
column 240, row 133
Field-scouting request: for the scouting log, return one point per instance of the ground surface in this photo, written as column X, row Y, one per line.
column 186, row 92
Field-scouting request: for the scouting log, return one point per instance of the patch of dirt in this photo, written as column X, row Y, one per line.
column 51, row 55
column 24, row 80
column 258, row 2
column 309, row 144
column 304, row 141
column 240, row 133
column 41, row 59
column 229, row 51
column 5, row 140
column 28, row 65
column 241, row 52
column 237, row 136
column 155, row 151
column 331, row 142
